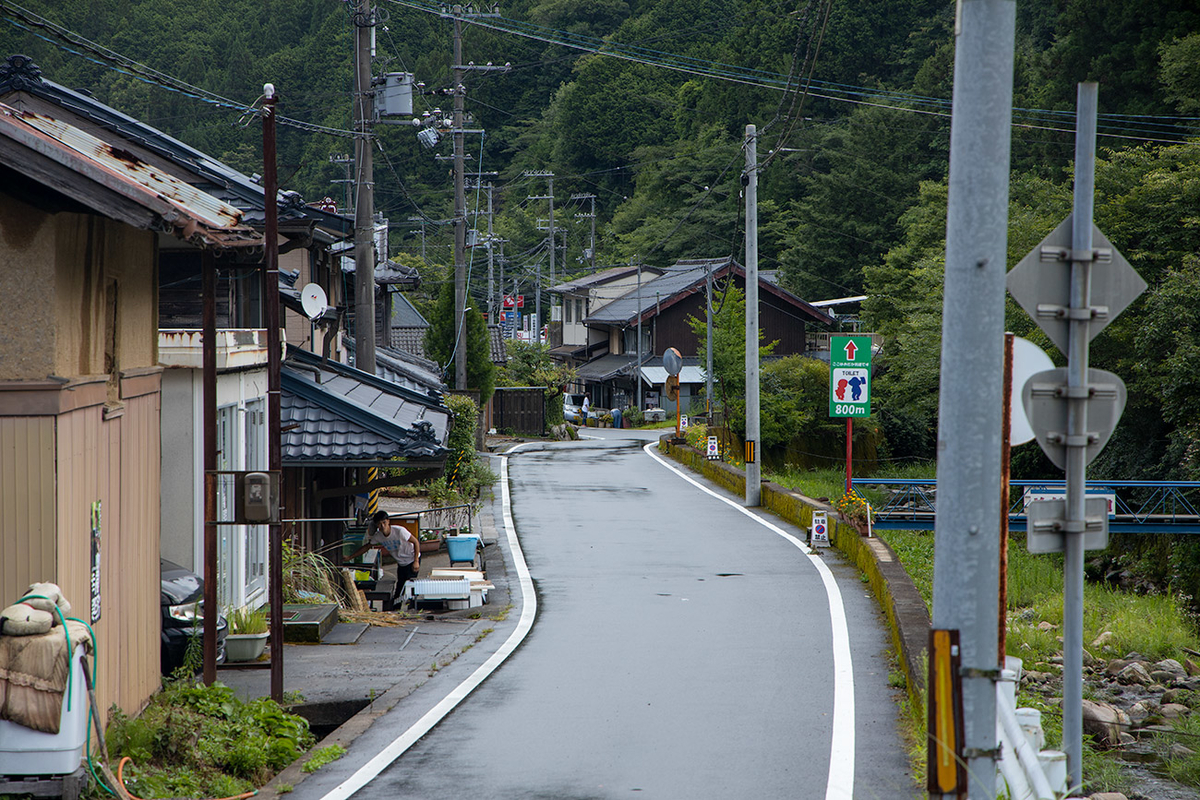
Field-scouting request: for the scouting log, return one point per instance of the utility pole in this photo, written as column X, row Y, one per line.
column 966, row 565
column 549, row 176
column 457, row 13
column 491, row 293
column 750, row 180
column 708, row 356
column 364, row 198
column 592, row 216
column 460, row 219
column 344, row 161
column 637, row 376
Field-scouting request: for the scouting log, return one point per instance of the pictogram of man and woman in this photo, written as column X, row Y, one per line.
column 856, row 385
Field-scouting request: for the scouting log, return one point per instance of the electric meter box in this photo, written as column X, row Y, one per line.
column 394, row 95
column 257, row 498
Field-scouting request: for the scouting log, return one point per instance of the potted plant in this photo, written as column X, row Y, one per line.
column 606, row 420
column 430, row 540
column 247, row 634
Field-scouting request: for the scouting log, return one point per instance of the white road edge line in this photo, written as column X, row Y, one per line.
column 401, row 743
column 840, row 785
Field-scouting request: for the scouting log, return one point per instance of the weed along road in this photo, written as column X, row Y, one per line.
column 680, row 649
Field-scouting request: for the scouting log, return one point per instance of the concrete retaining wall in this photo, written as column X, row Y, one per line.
column 907, row 616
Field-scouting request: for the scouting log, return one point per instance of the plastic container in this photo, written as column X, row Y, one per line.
column 461, row 548
column 24, row 751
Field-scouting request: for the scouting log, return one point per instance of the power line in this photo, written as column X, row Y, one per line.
column 110, row 59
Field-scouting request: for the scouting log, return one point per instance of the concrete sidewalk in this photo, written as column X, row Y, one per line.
column 418, row 656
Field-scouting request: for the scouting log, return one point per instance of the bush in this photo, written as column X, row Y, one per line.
column 194, row 741
column 462, row 438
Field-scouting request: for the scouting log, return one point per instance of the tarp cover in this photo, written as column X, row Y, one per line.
column 33, row 676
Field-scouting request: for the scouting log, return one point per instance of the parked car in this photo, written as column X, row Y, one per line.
column 573, row 409
column 182, row 602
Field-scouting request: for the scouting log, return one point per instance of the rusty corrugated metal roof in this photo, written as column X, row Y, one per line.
column 188, row 212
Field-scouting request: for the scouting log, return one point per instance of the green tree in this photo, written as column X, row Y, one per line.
column 441, row 340
column 729, row 351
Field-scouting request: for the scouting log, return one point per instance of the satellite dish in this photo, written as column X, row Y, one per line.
column 313, row 300
column 1028, row 360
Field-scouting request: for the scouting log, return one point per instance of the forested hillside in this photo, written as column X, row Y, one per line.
column 854, row 153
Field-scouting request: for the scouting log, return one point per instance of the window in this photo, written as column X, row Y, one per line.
column 567, row 311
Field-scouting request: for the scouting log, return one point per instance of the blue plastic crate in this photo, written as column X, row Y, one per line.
column 461, row 548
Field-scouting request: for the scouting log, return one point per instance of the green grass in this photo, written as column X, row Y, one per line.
column 831, row 482
column 1157, row 626
column 322, row 757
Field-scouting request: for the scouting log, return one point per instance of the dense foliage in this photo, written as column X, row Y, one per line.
column 852, row 189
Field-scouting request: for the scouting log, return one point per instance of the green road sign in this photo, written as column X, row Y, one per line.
column 850, row 376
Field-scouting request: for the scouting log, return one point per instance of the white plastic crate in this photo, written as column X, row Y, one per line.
column 24, row 751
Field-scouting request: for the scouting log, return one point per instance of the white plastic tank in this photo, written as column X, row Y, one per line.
column 24, row 751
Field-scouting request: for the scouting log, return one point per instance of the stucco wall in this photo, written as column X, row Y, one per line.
column 26, row 285
column 57, row 274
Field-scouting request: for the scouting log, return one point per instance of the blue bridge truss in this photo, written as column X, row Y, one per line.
column 1139, row 507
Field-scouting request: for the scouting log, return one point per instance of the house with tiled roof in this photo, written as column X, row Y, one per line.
column 660, row 309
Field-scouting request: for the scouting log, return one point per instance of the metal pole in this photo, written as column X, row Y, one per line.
column 364, row 198
column 753, row 457
column 460, row 220
column 968, row 472
column 208, row 279
column 274, row 450
column 708, row 356
column 1077, row 368
column 849, row 453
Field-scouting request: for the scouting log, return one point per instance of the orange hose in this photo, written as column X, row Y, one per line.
column 121, row 780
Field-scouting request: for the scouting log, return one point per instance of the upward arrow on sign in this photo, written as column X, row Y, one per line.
column 851, row 349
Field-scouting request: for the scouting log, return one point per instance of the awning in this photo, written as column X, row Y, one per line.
column 656, row 376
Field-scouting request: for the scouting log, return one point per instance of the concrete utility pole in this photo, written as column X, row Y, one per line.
column 549, row 176
column 637, row 376
column 966, row 565
column 460, row 219
column 491, row 293
column 708, row 355
column 364, row 193
column 592, row 216
column 750, row 179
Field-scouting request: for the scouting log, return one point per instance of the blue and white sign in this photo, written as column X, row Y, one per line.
column 820, row 529
column 714, row 449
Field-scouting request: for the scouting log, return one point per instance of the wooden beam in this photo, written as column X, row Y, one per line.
column 363, row 488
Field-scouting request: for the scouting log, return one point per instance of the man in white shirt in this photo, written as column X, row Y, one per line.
column 398, row 541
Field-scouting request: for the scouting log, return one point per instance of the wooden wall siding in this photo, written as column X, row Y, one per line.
column 775, row 321
column 27, row 523
column 115, row 461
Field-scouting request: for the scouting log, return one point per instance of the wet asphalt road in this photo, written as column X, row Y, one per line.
column 680, row 651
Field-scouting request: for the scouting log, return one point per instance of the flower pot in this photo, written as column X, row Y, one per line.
column 245, row 646
column 431, row 545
